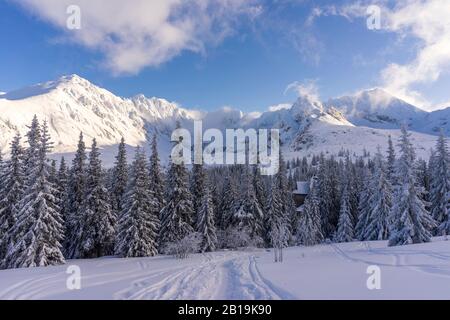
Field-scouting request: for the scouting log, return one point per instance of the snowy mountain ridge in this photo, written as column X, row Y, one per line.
column 72, row 104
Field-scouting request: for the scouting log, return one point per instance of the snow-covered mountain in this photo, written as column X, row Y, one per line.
column 376, row 108
column 434, row 121
column 72, row 105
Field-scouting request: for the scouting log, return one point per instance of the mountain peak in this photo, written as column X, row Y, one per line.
column 73, row 78
column 45, row 87
column 375, row 90
column 308, row 105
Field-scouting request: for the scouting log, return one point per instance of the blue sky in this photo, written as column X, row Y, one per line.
column 243, row 56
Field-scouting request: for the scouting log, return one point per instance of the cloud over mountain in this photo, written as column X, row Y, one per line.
column 142, row 33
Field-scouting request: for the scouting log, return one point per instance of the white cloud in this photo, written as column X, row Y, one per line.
column 307, row 89
column 281, row 106
column 140, row 33
column 429, row 22
column 425, row 20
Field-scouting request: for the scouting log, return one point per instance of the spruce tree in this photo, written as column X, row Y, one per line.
column 2, row 174
column 380, row 203
column 249, row 215
column 363, row 206
column 99, row 220
column 177, row 215
column 260, row 191
column 423, row 180
column 120, row 177
column 309, row 225
column 276, row 222
column 345, row 228
column 287, row 201
column 53, row 175
column 390, row 167
column 440, row 185
column 11, row 192
column 62, row 185
column 352, row 186
column 411, row 221
column 197, row 187
column 229, row 203
column 156, row 176
column 38, row 229
column 138, row 225
column 206, row 223
column 74, row 219
column 31, row 155
column 327, row 185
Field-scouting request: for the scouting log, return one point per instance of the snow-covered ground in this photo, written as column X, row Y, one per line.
column 334, row 271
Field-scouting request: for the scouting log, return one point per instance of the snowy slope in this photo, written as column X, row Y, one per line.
column 334, row 271
column 436, row 120
column 73, row 104
column 331, row 139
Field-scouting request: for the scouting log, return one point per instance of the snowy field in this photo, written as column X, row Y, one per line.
column 337, row 271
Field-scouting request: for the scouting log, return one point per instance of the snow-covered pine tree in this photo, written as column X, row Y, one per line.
column 345, row 229
column 74, row 219
column 120, row 177
column 390, row 166
column 177, row 214
column 229, row 203
column 4, row 223
column 335, row 185
column 2, row 174
column 282, row 180
column 11, row 192
column 156, row 176
column 138, row 225
column 259, row 186
column 216, row 195
column 352, row 186
column 98, row 233
column 205, row 222
column 276, row 223
column 198, row 178
column 31, row 155
column 294, row 214
column 309, row 231
column 61, row 185
column 287, row 200
column 363, row 206
column 53, row 175
column 380, row 203
column 411, row 222
column 423, row 180
column 274, row 207
column 326, row 184
column 440, row 185
column 249, row 214
column 38, row 230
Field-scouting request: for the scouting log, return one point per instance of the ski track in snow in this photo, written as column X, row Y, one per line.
column 242, row 275
column 45, row 286
column 228, row 276
column 244, row 281
column 224, row 275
